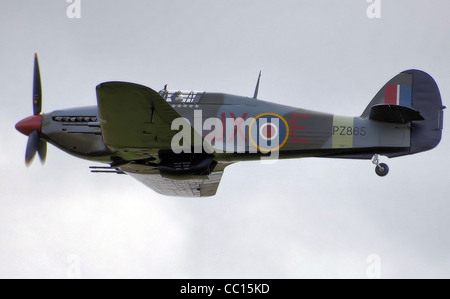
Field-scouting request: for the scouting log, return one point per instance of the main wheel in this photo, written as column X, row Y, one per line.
column 382, row 169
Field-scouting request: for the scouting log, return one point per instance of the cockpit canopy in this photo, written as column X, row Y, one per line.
column 181, row 96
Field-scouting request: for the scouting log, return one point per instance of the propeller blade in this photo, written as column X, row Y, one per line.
column 37, row 90
column 32, row 147
column 42, row 150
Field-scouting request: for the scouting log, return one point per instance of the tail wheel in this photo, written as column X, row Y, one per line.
column 382, row 169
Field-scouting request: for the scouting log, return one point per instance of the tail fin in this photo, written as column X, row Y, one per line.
column 411, row 96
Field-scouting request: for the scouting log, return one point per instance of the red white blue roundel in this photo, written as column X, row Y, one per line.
column 268, row 131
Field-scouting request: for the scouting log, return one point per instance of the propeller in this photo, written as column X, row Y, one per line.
column 32, row 126
column 37, row 90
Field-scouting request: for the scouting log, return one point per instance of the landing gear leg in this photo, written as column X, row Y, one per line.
column 381, row 169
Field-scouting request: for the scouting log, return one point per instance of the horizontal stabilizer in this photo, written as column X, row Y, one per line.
column 394, row 114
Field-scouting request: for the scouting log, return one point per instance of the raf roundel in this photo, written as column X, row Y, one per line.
column 269, row 132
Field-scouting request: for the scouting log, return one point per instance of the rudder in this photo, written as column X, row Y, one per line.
column 426, row 134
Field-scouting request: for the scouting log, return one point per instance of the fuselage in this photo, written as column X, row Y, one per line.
column 239, row 128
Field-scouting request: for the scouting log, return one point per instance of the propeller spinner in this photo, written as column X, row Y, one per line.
column 32, row 126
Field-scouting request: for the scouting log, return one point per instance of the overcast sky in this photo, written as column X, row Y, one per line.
column 304, row 218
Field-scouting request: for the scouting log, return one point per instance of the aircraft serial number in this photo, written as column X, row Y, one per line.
column 349, row 131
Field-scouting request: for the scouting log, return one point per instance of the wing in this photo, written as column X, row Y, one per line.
column 187, row 186
column 136, row 125
column 135, row 119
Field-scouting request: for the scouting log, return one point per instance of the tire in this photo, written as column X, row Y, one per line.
column 382, row 169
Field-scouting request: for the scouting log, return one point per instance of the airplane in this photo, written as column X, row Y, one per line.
column 179, row 143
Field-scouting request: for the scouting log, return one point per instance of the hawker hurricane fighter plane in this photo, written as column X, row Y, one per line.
column 179, row 143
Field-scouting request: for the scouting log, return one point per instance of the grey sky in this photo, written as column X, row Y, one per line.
column 303, row 218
